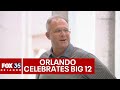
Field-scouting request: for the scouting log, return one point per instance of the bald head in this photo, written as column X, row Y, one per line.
column 54, row 19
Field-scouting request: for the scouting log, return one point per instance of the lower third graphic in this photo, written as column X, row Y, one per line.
column 10, row 66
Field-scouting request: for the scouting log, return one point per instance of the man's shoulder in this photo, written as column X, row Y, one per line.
column 80, row 52
column 45, row 54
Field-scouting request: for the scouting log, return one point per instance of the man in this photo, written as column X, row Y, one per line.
column 59, row 34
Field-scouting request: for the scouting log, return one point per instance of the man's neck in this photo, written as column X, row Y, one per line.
column 58, row 51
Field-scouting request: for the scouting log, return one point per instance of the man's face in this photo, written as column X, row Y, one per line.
column 59, row 33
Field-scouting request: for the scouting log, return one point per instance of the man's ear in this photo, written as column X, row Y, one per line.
column 48, row 35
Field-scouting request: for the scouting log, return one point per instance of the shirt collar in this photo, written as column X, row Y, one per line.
column 66, row 54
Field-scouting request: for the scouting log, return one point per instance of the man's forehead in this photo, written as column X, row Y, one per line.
column 59, row 24
column 58, row 20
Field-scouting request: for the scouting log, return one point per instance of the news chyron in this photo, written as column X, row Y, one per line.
column 10, row 66
column 47, row 66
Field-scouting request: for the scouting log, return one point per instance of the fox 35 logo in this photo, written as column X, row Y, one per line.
column 11, row 65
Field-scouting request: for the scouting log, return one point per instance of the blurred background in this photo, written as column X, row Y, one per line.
column 22, row 35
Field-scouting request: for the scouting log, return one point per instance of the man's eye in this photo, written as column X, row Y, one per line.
column 66, row 30
column 58, row 31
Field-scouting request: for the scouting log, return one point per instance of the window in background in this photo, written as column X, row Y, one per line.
column 33, row 37
column 38, row 28
column 82, row 25
column 117, row 45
